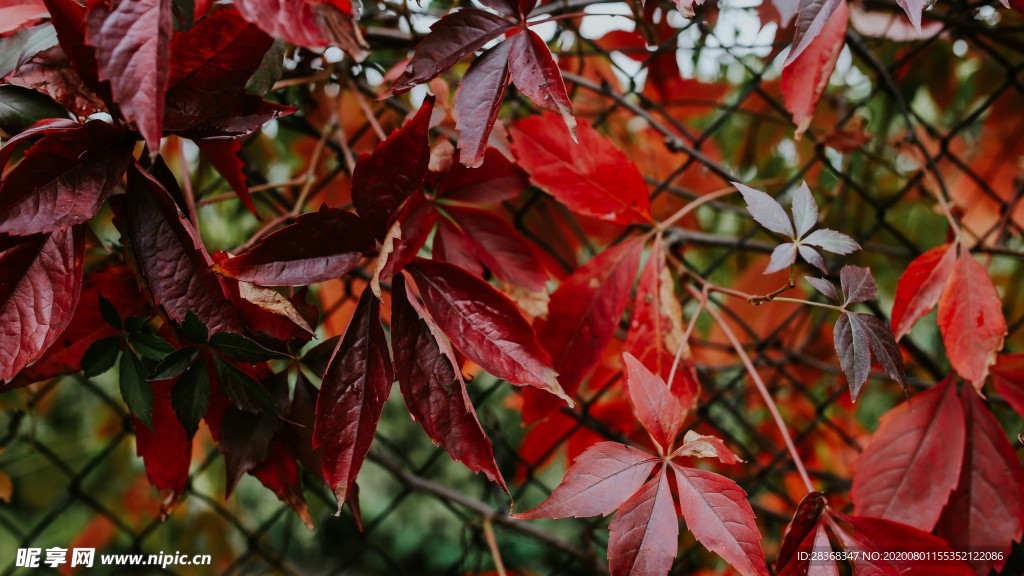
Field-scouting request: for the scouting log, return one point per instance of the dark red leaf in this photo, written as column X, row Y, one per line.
column 971, row 320
column 318, row 246
column 451, row 39
column 719, row 517
column 384, row 179
column 477, row 102
column 116, row 284
column 166, row 449
column 643, row 538
column 986, row 511
column 500, row 248
column 356, row 385
column 1008, row 377
column 433, row 388
column 805, row 522
column 536, row 74
column 415, row 220
column 656, row 407
column 210, row 65
column 815, row 542
column 64, row 178
column 131, row 38
column 496, row 180
column 50, row 73
column 912, row 464
column 171, row 258
column 821, row 35
column 452, row 245
column 40, row 282
column 920, row 286
column 68, row 18
column 308, row 23
column 593, row 177
column 41, row 128
column 600, row 480
column 485, row 325
column 242, row 115
column 656, row 331
column 279, row 473
column 223, row 155
column 879, row 535
column 858, row 284
column 582, row 317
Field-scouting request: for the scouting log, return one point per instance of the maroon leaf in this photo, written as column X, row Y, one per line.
column 451, row 39
column 131, row 38
column 40, row 282
column 599, row 481
column 500, row 248
column 484, row 325
column 308, row 23
column 433, row 388
column 166, row 449
column 279, row 473
column 986, row 511
column 920, row 286
column 68, row 19
column 210, row 65
column 452, row 245
column 41, row 128
column 243, row 115
column 64, row 178
column 582, row 317
column 854, row 349
column 415, row 220
column 384, row 179
column 719, row 517
column 656, row 407
column 50, row 73
column 223, row 154
column 318, row 246
column 1008, row 377
column 912, row 463
column 593, row 177
column 858, row 284
column 822, row 565
column 171, row 258
column 477, row 102
column 643, row 538
column 496, row 180
column 805, row 522
column 356, row 385
column 536, row 74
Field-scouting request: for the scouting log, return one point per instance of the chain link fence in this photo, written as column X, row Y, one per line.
column 902, row 122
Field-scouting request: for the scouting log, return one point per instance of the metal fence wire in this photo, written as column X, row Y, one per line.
column 904, row 117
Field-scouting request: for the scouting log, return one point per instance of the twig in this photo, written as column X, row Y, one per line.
column 492, row 543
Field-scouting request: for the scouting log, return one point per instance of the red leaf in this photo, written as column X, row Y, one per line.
column 813, row 16
column 477, row 102
column 116, row 284
column 452, row 245
column 1008, row 376
column 656, row 407
column 131, row 39
column 582, row 317
column 415, row 220
column 805, row 77
column 816, row 541
column 719, row 517
column 68, row 18
column 656, row 331
column 971, row 320
column 210, row 65
column 171, row 258
column 318, row 246
column 643, row 538
column 279, row 473
column 383, row 180
column 18, row 14
column 920, row 286
column 166, row 450
column 496, row 180
column 593, row 177
column 600, row 480
column 451, row 39
column 433, row 388
column 912, row 464
column 536, row 74
column 64, row 178
column 308, row 23
column 356, row 385
column 802, row 528
column 40, row 282
column 485, row 325
column 501, row 248
column 986, row 511
column 879, row 535
column 223, row 155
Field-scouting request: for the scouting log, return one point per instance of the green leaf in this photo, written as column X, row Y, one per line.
column 135, row 389
column 150, row 346
column 21, row 107
column 270, row 71
column 109, row 313
column 175, row 363
column 101, row 356
column 244, row 390
column 194, row 330
column 241, row 348
column 190, row 397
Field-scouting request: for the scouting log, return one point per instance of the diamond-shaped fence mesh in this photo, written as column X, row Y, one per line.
column 906, row 119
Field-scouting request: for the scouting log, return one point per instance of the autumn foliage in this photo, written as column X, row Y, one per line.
column 276, row 314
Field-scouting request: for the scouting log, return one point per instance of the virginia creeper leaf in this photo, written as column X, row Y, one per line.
column 766, row 210
column 699, row 446
column 656, row 407
column 136, row 391
column 309, row 23
column 535, row 74
column 1008, row 377
column 190, row 396
column 971, row 320
column 477, row 102
column 920, row 287
column 165, row 449
column 811, row 19
column 643, row 538
column 805, row 522
column 820, row 36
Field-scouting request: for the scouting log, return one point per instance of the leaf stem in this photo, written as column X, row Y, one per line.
column 492, row 543
column 759, row 383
